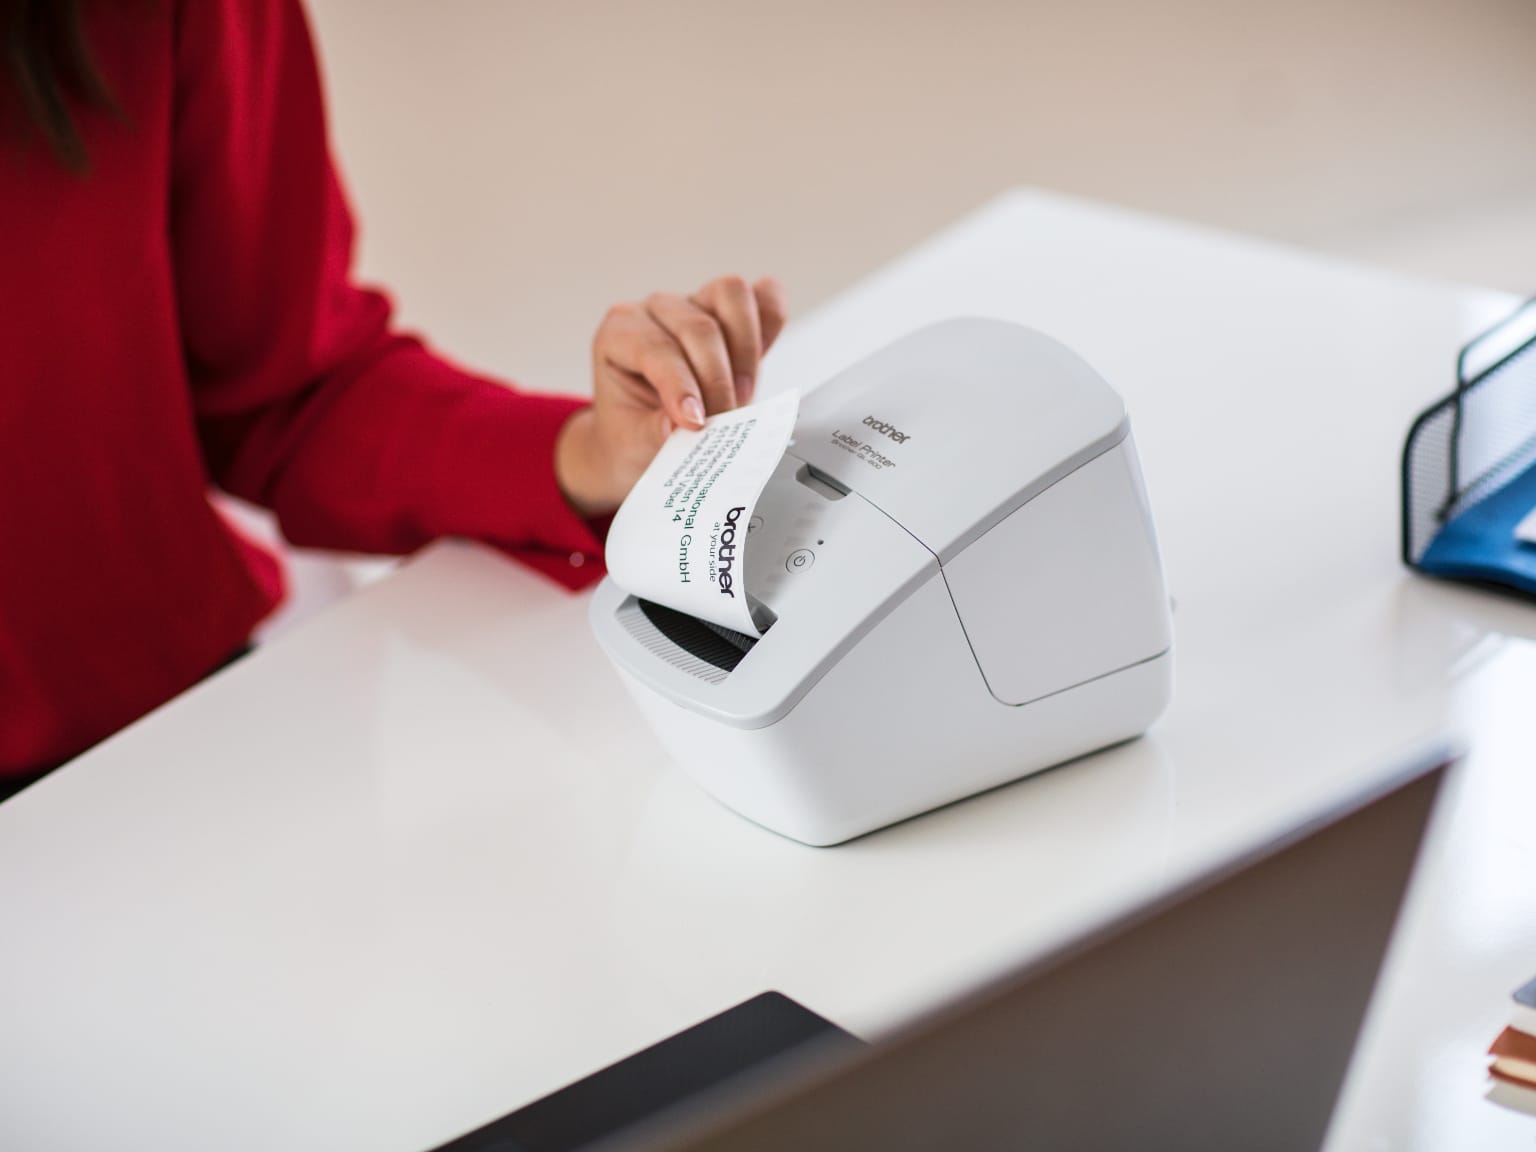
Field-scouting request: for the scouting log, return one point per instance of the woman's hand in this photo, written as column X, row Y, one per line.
column 666, row 362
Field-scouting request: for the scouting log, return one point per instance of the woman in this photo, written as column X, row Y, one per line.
column 176, row 312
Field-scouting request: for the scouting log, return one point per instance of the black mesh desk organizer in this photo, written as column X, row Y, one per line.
column 1469, row 465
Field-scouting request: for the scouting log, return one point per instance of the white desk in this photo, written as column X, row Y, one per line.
column 419, row 862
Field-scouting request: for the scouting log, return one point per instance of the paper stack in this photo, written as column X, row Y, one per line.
column 1514, row 1056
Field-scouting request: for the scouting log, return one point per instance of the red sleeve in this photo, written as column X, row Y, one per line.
column 356, row 437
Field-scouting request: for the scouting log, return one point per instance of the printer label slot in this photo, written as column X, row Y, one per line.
column 820, row 483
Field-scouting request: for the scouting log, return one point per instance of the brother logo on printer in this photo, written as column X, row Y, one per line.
column 727, row 556
column 885, row 429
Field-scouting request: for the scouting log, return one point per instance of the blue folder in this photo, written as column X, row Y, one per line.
column 1479, row 543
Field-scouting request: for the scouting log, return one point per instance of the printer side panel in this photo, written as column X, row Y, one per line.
column 1069, row 587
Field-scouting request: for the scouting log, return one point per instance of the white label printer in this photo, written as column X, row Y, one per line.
column 960, row 567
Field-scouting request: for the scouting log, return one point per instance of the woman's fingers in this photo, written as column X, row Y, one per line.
column 699, row 334
column 632, row 341
column 772, row 309
column 751, row 316
column 733, row 304
column 698, row 354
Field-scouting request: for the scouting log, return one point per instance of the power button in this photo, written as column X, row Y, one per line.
column 800, row 559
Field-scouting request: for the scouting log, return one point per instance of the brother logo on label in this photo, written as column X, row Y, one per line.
column 885, row 429
column 727, row 558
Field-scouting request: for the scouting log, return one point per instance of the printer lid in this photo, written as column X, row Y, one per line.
column 956, row 425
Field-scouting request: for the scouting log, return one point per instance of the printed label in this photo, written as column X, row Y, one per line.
column 680, row 538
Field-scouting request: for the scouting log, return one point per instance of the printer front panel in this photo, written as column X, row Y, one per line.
column 828, row 566
column 901, row 725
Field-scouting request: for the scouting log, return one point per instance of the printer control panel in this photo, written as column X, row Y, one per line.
column 794, row 527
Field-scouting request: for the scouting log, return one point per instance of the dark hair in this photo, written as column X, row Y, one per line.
column 49, row 65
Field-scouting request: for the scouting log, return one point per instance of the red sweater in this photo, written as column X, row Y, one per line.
column 182, row 318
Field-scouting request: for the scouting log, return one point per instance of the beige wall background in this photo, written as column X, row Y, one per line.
column 519, row 166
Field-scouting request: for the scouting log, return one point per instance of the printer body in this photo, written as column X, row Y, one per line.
column 958, row 561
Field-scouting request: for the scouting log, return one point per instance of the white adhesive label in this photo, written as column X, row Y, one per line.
column 680, row 538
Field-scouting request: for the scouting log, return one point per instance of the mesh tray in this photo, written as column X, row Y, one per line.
column 1473, row 444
